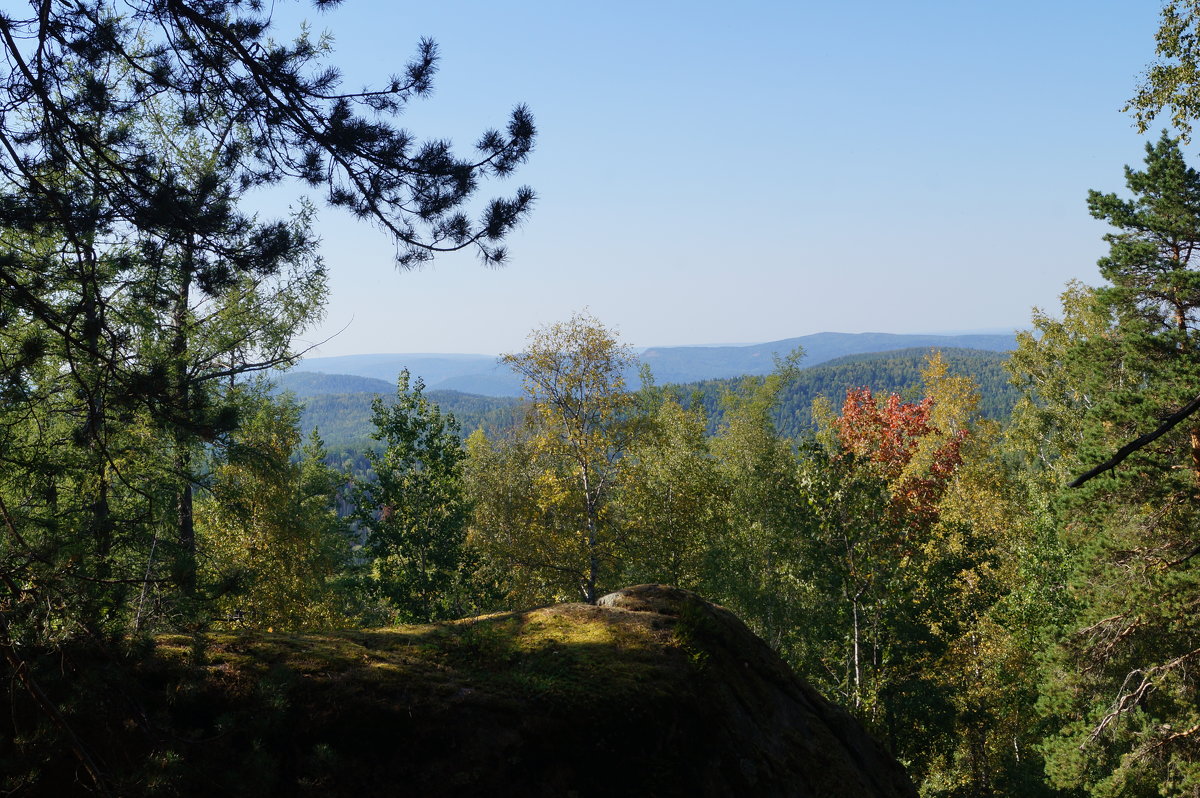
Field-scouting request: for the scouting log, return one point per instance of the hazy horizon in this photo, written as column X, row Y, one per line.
column 752, row 170
column 642, row 348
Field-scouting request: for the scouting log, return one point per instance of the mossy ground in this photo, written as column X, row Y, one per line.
column 658, row 693
column 564, row 654
column 261, row 711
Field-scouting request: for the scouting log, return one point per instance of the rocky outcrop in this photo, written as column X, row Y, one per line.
column 653, row 692
column 769, row 732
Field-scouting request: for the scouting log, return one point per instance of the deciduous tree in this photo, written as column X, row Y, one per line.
column 272, row 546
column 672, row 497
column 884, row 566
column 1171, row 82
column 574, row 376
column 914, row 445
column 755, row 568
column 413, row 511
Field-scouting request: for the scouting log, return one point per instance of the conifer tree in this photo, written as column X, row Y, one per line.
column 112, row 237
column 111, row 241
column 1122, row 687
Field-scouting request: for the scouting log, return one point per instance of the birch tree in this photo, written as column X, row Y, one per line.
column 574, row 377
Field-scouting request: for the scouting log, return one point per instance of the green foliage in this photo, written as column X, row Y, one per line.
column 884, row 565
column 896, row 372
column 671, row 497
column 1045, row 431
column 515, row 521
column 997, row 572
column 134, row 281
column 1119, row 689
column 579, row 431
column 916, row 562
column 1171, row 81
column 272, row 546
column 413, row 511
column 340, row 405
column 754, row 568
column 136, row 290
column 686, row 364
column 344, row 419
column 115, row 364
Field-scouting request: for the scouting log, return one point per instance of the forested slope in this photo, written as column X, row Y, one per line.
column 339, row 405
column 690, row 363
column 883, row 372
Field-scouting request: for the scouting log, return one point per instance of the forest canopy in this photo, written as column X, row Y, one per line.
column 147, row 482
column 915, row 559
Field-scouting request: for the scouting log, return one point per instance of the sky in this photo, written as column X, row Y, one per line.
column 741, row 173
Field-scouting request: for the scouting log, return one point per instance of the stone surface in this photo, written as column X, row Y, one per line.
column 653, row 692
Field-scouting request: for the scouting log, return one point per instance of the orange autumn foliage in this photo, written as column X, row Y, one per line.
column 914, row 457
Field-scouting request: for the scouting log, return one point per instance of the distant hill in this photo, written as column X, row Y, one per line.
column 339, row 405
column 693, row 363
column 481, row 374
column 883, row 372
column 484, row 375
column 501, row 383
column 305, row 384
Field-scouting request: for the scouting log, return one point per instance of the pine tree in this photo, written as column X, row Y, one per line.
column 1122, row 687
column 113, row 242
column 141, row 127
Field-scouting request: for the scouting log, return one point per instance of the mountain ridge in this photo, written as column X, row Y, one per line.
column 486, row 376
column 343, row 415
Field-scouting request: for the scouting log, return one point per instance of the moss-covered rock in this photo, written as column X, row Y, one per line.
column 652, row 692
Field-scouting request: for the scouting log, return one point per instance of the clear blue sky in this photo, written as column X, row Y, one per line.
column 718, row 173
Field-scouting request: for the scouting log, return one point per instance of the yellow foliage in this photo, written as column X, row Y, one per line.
column 269, row 546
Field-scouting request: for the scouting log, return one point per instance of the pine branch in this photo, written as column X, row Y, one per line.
column 1168, row 424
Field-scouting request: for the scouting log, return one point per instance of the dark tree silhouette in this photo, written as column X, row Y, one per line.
column 75, row 77
column 130, row 130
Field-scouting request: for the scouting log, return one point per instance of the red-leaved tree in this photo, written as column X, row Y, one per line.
column 915, row 457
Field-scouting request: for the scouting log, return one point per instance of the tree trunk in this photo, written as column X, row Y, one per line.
column 182, row 399
column 1195, row 440
column 857, row 664
column 589, row 511
column 91, row 379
